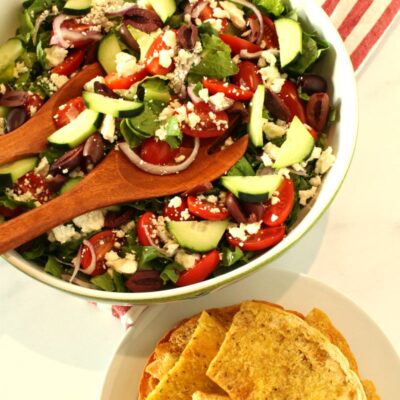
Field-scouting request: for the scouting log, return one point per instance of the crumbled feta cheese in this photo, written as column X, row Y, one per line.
column 169, row 38
column 185, row 259
column 3, row 88
column 325, row 161
column 273, row 131
column 180, row 158
column 274, row 217
column 305, row 195
column 284, row 172
column 215, row 23
column 193, row 120
column 171, row 248
column 298, row 167
column 89, row 86
column 55, row 55
column 128, row 226
column 275, row 199
column 126, row 265
column 315, row 154
column 161, row 133
column 204, row 95
column 212, row 199
column 272, row 150
column 220, row 13
column 266, row 159
column 240, row 232
column 185, row 215
column 165, row 58
column 219, row 101
column 63, row 234
column 98, row 13
column 107, row 129
column 161, row 229
column 26, row 197
column 58, row 80
column 43, row 167
column 126, row 64
column 272, row 78
column 175, row 202
column 315, row 181
column 19, row 69
column 90, row 222
column 235, row 14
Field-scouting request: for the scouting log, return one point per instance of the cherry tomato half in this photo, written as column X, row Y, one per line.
column 201, row 270
column 68, row 112
column 71, row 64
column 114, row 81
column 74, row 26
column 102, row 242
column 228, row 89
column 145, row 227
column 247, row 76
column 237, row 44
column 207, row 210
column 34, row 184
column 157, row 151
column 263, row 239
column 276, row 214
column 209, row 126
column 175, row 213
column 10, row 212
column 269, row 36
column 153, row 60
column 290, row 97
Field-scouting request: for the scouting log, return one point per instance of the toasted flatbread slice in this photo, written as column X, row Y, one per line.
column 281, row 357
column 208, row 396
column 188, row 374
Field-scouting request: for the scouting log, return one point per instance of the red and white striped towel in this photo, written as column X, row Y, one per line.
column 361, row 23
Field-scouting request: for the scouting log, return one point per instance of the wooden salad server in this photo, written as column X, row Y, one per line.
column 31, row 137
column 114, row 181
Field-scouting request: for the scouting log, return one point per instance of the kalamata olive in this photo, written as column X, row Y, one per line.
column 128, row 39
column 68, row 161
column 254, row 210
column 204, row 187
column 144, row 20
column 238, row 108
column 235, row 209
column 104, row 90
column 93, row 148
column 15, row 118
column 187, row 36
column 91, row 53
column 13, row 98
column 276, row 107
column 144, row 281
column 317, row 111
column 312, row 83
column 113, row 220
column 55, row 183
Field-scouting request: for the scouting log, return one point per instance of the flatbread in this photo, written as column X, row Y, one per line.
column 281, row 357
column 188, row 374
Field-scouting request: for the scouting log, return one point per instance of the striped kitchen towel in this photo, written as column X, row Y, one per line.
column 361, row 24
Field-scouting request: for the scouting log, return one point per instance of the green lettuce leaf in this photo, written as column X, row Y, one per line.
column 216, row 61
column 275, row 7
column 174, row 133
column 242, row 168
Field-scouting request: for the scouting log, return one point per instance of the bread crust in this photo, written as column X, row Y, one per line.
column 183, row 330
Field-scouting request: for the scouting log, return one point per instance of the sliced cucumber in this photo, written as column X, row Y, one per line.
column 198, row 236
column 70, row 184
column 109, row 47
column 254, row 189
column 256, row 121
column 145, row 40
column 10, row 173
column 9, row 52
column 78, row 130
column 118, row 108
column 298, row 145
column 77, row 7
column 290, row 37
column 164, row 8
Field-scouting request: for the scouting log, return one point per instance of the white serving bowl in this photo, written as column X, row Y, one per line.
column 337, row 68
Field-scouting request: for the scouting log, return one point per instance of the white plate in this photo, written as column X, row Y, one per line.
column 376, row 357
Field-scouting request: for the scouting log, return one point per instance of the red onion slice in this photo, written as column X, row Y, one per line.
column 89, row 270
column 193, row 97
column 257, row 13
column 13, row 98
column 153, row 244
column 76, row 262
column 159, row 169
column 246, row 55
column 78, row 281
column 197, row 9
column 120, row 12
column 72, row 35
column 58, row 35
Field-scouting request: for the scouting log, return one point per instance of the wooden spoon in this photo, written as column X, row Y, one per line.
column 31, row 137
column 114, row 181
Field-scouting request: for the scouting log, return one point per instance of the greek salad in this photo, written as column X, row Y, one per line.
column 176, row 72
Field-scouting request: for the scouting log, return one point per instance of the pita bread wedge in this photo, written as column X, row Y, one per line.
column 281, row 357
column 188, row 374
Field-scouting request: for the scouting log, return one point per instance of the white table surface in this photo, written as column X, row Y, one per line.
column 53, row 346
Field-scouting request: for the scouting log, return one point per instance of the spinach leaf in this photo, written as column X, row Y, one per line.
column 119, row 282
column 231, row 257
column 53, row 267
column 216, row 61
column 241, row 168
column 171, row 272
column 37, row 249
column 313, row 47
column 275, row 7
column 104, row 282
